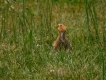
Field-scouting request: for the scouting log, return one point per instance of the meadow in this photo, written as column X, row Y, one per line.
column 29, row 27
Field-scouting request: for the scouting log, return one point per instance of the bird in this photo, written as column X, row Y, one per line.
column 62, row 41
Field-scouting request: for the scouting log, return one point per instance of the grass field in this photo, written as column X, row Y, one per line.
column 28, row 29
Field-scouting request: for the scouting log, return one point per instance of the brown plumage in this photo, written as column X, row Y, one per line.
column 61, row 42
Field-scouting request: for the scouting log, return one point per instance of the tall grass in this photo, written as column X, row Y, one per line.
column 28, row 28
column 45, row 14
column 92, row 19
column 91, row 12
column 104, row 40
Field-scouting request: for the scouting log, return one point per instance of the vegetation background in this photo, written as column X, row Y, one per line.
column 28, row 28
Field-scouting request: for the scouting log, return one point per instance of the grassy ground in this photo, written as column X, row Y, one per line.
column 28, row 28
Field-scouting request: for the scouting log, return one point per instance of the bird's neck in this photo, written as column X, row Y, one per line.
column 62, row 36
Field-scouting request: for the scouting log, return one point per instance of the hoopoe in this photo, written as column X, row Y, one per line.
column 61, row 41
